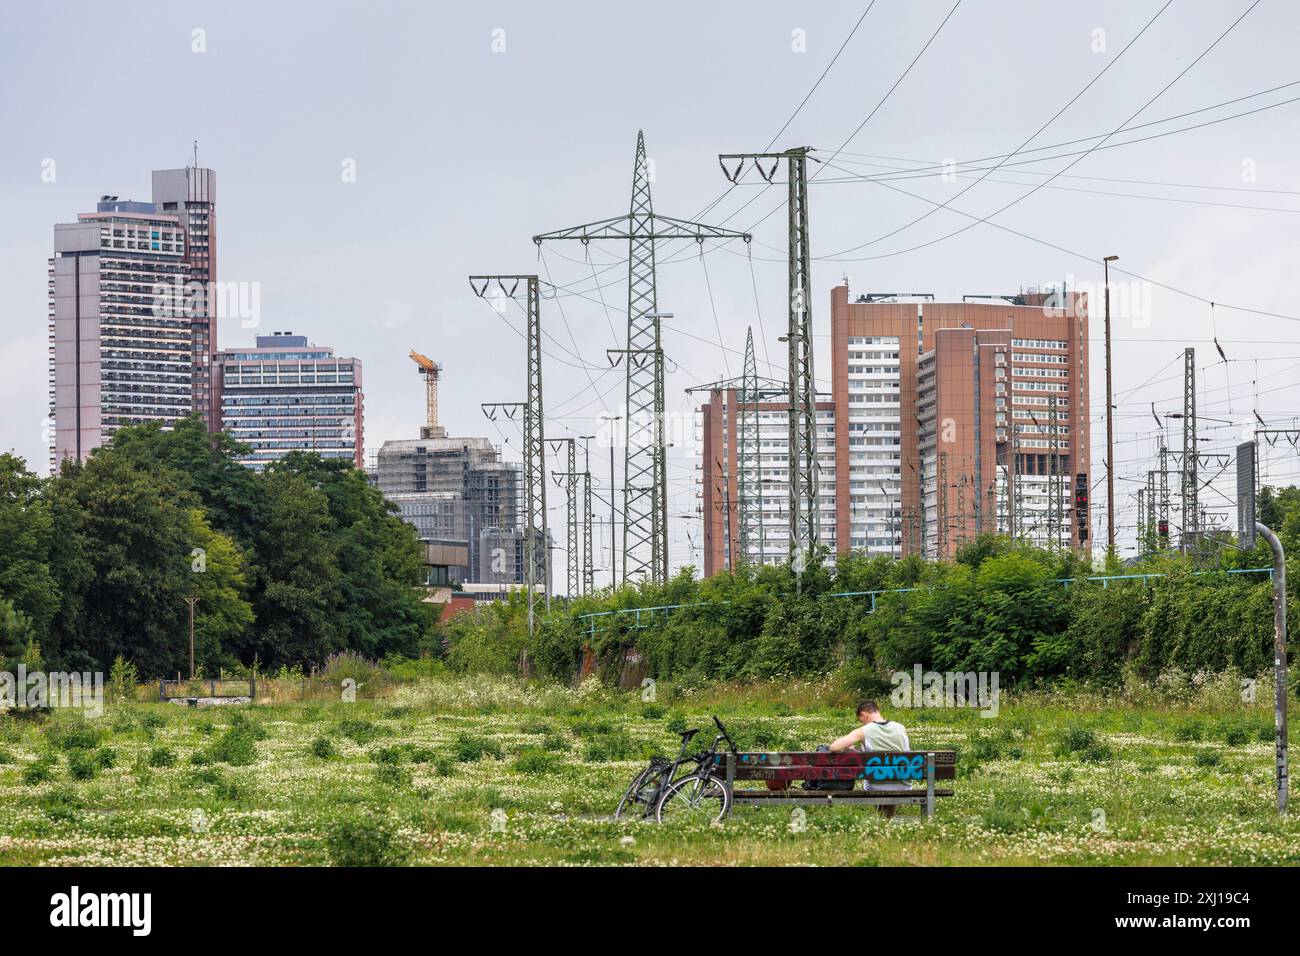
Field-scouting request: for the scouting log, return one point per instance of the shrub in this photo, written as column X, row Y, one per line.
column 76, row 736
column 323, row 748
column 1237, row 736
column 61, row 805
column 235, row 747
column 1083, row 743
column 611, row 747
column 39, row 771
column 359, row 731
column 420, row 755
column 534, row 761
column 122, row 679
column 363, row 840
column 162, row 757
column 392, row 775
column 106, row 757
column 5, row 756
column 391, row 756
column 1207, row 758
column 82, row 765
column 469, row 749
column 555, row 743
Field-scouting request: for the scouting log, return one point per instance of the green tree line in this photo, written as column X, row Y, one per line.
column 999, row 606
column 289, row 565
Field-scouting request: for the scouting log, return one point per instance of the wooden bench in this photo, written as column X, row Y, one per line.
column 915, row 766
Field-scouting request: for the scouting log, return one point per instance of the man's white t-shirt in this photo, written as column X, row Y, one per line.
column 887, row 736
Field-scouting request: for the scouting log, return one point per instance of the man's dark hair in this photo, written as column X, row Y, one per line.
column 868, row 706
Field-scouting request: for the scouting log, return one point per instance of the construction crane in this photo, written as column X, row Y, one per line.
column 430, row 370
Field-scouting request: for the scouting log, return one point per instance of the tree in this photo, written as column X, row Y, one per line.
column 217, row 579
column 131, row 535
column 296, row 584
column 26, row 526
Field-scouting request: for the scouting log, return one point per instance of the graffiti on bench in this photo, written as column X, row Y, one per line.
column 878, row 767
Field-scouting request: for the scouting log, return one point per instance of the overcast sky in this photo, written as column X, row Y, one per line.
column 463, row 150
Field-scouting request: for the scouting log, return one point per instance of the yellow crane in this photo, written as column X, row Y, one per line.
column 430, row 370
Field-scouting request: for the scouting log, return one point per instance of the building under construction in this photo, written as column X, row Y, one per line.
column 455, row 490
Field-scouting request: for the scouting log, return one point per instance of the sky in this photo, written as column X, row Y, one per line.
column 370, row 157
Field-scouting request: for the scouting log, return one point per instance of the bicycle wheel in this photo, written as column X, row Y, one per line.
column 641, row 794
column 700, row 796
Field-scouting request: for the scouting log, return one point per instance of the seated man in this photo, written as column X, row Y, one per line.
column 876, row 733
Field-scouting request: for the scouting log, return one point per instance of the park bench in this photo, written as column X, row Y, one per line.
column 916, row 766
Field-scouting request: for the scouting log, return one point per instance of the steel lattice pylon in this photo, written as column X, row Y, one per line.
column 588, row 571
column 804, row 517
column 645, row 486
column 569, row 479
column 536, row 556
column 1191, row 512
column 750, row 473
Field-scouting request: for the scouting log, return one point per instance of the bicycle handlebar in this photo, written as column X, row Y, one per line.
column 726, row 736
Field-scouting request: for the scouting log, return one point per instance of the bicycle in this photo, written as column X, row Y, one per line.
column 702, row 795
column 648, row 785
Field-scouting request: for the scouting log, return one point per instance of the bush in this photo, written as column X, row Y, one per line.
column 392, row 775
column 39, row 771
column 162, row 757
column 82, row 765
column 611, row 747
column 1237, row 736
column 555, row 743
column 61, row 805
column 106, row 757
column 1207, row 758
column 364, row 840
column 391, row 756
column 469, row 749
column 534, row 761
column 76, row 736
column 1083, row 743
column 359, row 731
column 323, row 748
column 235, row 747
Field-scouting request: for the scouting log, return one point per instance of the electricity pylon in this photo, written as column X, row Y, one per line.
column 1191, row 513
column 742, row 421
column 749, row 464
column 645, row 479
column 536, row 550
column 569, row 480
column 804, row 518
column 588, row 570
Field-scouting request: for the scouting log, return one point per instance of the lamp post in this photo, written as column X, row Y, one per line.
column 1110, row 424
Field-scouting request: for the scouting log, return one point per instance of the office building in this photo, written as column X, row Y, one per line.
column 284, row 395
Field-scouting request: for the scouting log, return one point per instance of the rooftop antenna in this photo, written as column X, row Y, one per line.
column 196, row 154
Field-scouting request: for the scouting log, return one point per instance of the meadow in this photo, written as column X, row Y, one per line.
column 447, row 770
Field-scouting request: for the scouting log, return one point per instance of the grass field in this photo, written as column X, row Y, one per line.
column 414, row 778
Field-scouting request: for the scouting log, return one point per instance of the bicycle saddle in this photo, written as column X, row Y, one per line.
column 688, row 734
